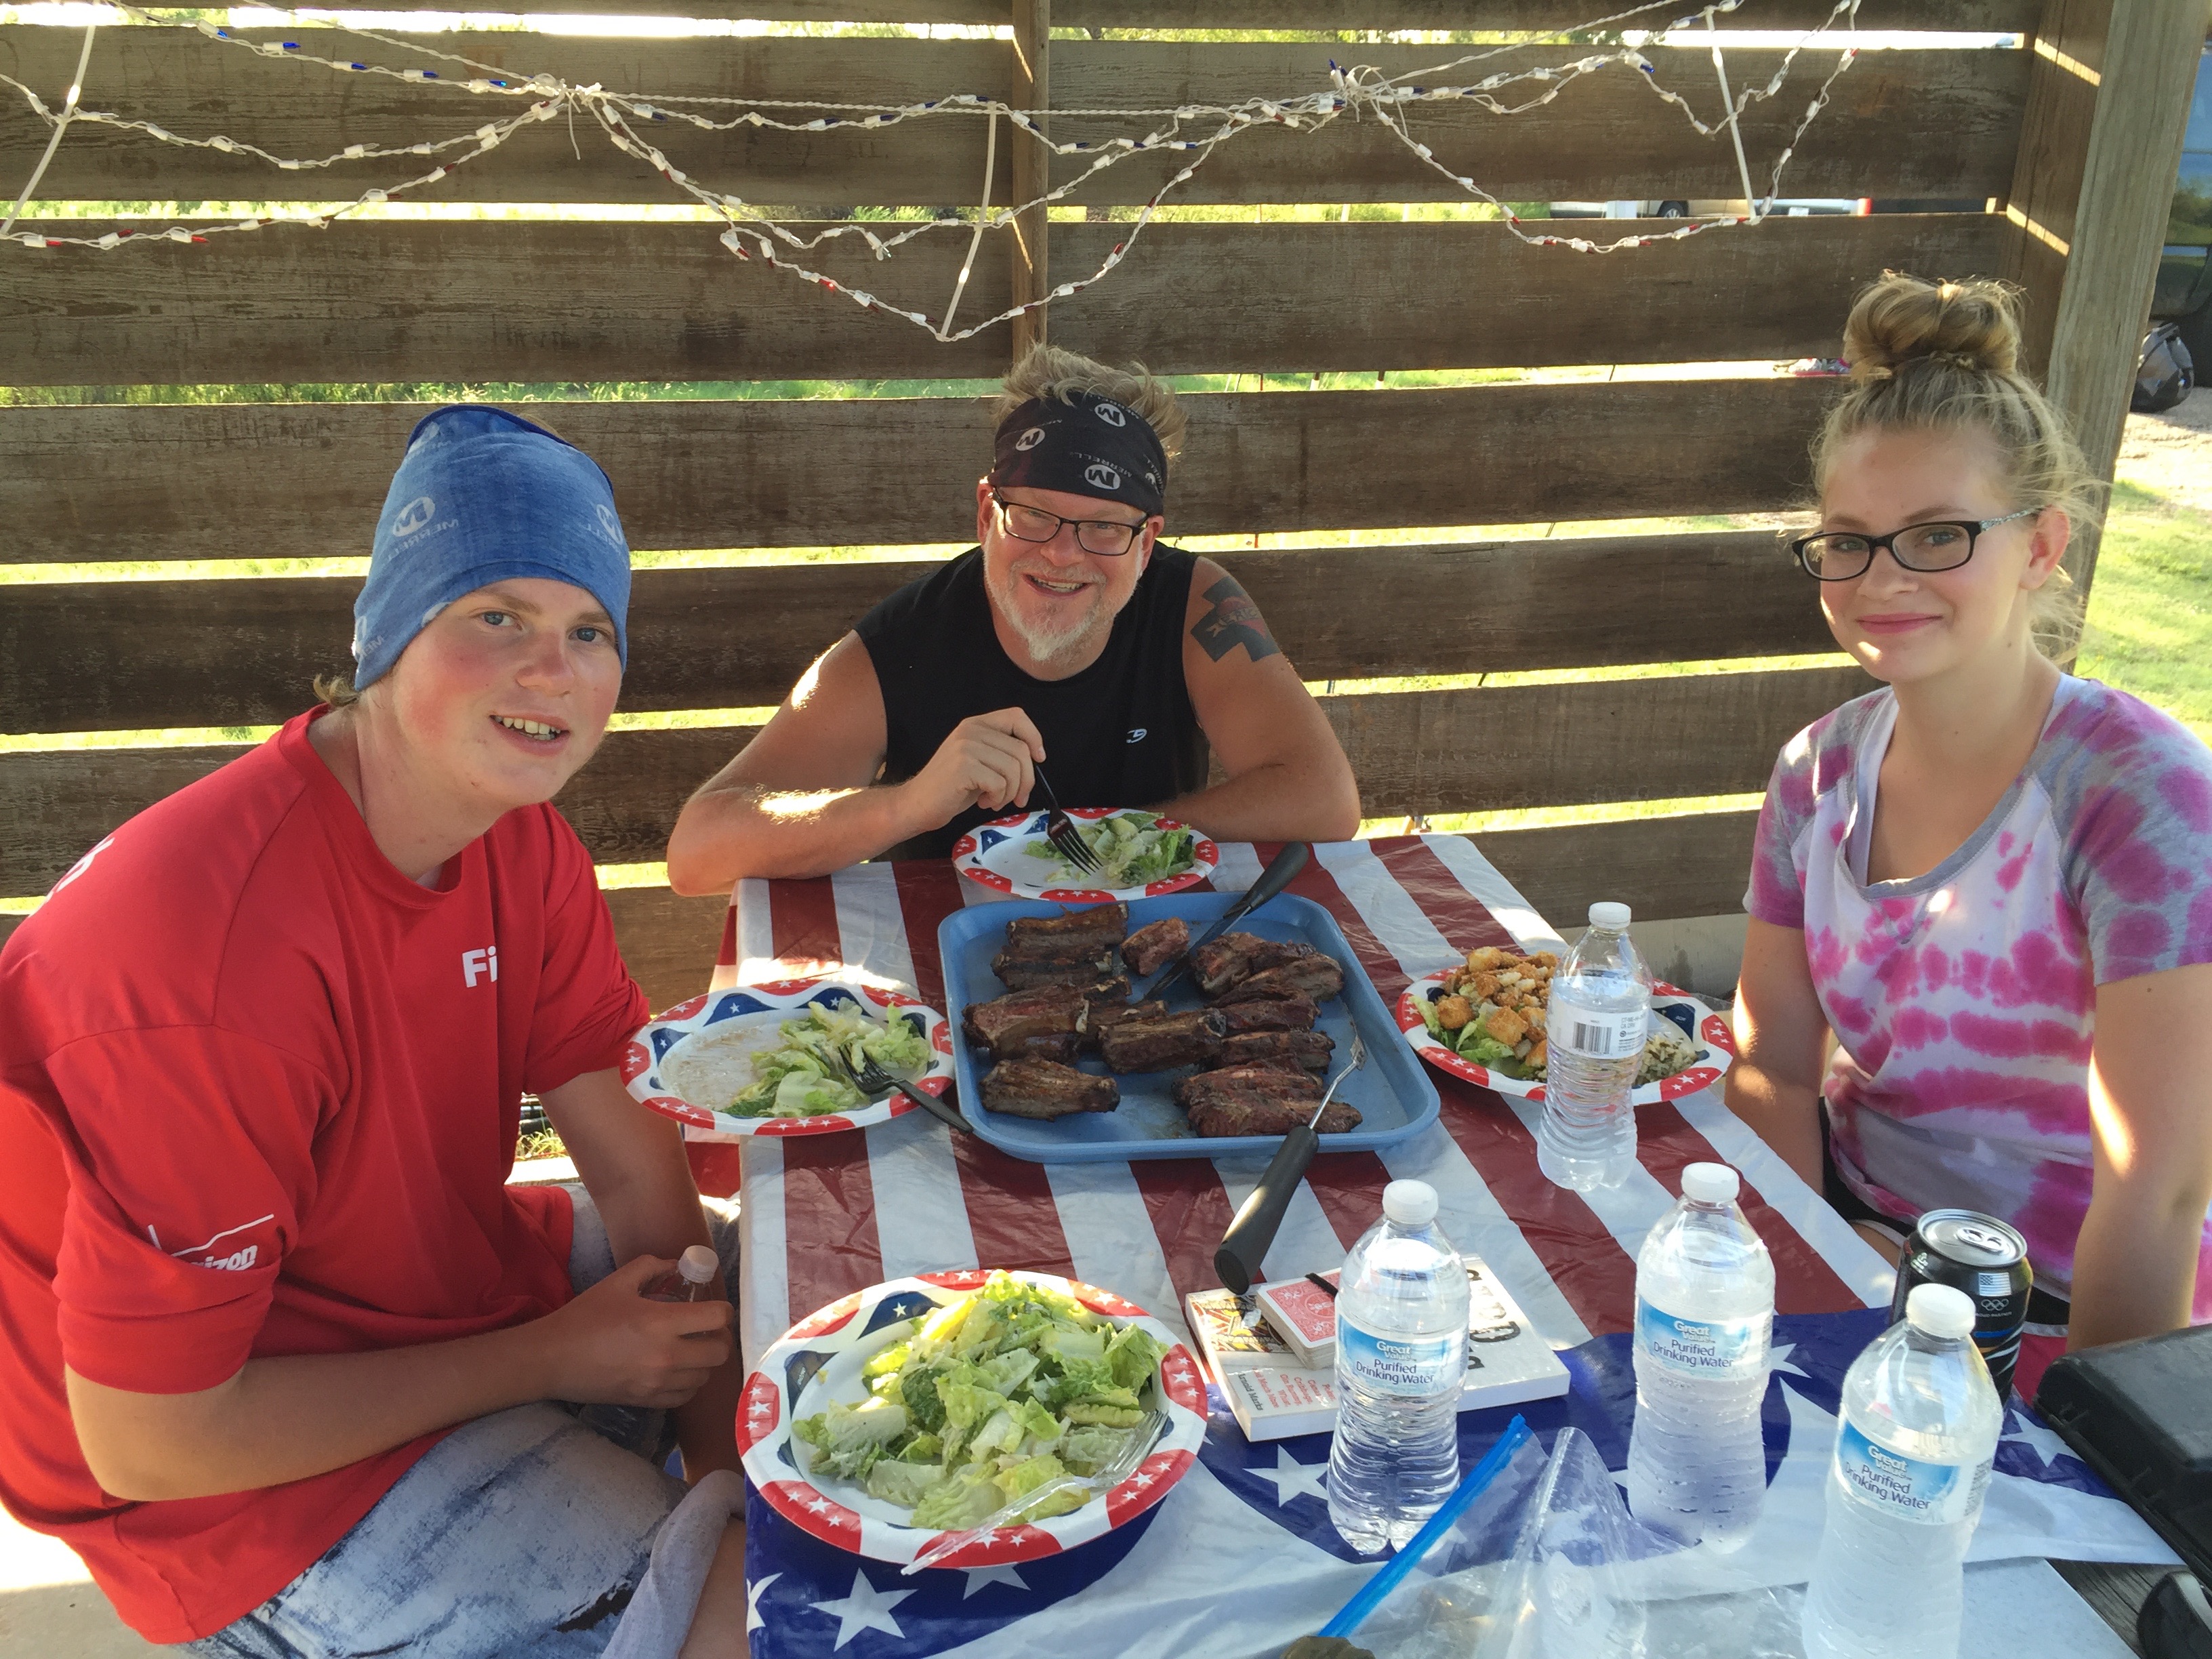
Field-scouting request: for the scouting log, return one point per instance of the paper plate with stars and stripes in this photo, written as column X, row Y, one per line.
column 819, row 1359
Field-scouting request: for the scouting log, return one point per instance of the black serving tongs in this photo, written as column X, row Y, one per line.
column 1281, row 871
column 1245, row 1246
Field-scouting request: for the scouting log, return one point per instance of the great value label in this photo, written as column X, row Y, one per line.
column 1703, row 1348
column 1909, row 1487
column 1406, row 1366
column 1599, row 1035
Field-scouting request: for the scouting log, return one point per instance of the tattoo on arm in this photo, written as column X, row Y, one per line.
column 1234, row 620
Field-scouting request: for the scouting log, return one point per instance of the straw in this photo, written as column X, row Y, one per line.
column 1353, row 1614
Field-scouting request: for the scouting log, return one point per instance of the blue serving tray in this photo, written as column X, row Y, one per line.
column 1393, row 1093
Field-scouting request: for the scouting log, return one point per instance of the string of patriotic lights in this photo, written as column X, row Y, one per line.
column 1358, row 92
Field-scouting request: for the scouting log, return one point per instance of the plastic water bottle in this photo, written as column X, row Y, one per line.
column 641, row 1427
column 687, row 1281
column 1919, row 1429
column 1402, row 1311
column 1705, row 1309
column 1600, row 1011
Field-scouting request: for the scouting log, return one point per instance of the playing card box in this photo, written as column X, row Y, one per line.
column 1274, row 1393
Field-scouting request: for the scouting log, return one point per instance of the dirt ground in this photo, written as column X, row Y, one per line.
column 2171, row 454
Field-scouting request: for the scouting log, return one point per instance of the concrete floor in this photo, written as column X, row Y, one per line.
column 49, row 1606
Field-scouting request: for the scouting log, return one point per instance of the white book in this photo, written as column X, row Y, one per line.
column 1275, row 1394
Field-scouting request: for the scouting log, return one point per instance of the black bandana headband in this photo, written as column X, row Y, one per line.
column 1087, row 446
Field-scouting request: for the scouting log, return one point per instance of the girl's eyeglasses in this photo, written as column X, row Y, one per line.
column 1839, row 555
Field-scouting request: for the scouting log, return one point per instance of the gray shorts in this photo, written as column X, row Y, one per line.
column 526, row 1532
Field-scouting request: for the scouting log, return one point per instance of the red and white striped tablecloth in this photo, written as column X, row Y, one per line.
column 828, row 1214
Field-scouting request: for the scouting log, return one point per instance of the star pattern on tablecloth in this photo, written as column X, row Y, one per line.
column 980, row 1577
column 865, row 1608
column 2021, row 1429
column 753, row 1593
column 1778, row 1359
column 1293, row 1478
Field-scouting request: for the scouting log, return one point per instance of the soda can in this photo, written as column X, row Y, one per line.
column 1987, row 1259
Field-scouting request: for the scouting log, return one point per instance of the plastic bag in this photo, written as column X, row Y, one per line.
column 1550, row 1564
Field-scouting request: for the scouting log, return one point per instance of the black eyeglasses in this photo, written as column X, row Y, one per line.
column 1837, row 555
column 1108, row 538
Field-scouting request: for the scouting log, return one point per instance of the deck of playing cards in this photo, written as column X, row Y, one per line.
column 1257, row 1346
column 1304, row 1315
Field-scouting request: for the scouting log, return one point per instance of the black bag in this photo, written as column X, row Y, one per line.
column 2166, row 371
column 2140, row 1414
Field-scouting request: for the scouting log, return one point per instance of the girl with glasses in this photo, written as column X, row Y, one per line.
column 1978, row 968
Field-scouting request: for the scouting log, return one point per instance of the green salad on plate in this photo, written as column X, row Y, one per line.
column 1132, row 852
column 801, row 1077
column 990, row 1397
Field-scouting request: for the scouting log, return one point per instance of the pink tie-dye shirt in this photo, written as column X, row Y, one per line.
column 1963, row 1000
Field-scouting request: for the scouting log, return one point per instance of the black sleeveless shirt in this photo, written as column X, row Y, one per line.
column 1120, row 734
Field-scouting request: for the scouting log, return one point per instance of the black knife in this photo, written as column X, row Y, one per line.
column 1281, row 871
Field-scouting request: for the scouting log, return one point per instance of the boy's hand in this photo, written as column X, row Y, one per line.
column 611, row 1345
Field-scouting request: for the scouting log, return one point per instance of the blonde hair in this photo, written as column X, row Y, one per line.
column 336, row 689
column 1046, row 371
column 1945, row 358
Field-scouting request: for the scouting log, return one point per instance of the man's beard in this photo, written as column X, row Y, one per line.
column 1046, row 643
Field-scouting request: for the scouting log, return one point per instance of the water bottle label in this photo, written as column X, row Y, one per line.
column 1411, row 1367
column 1702, row 1347
column 1907, row 1488
column 1594, row 1033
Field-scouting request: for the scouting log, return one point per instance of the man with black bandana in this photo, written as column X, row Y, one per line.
column 1067, row 638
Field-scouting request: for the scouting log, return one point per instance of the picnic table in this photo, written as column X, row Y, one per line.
column 1240, row 1558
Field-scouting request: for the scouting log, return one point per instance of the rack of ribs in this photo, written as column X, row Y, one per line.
column 1104, row 1017
column 1304, row 1050
column 1162, row 1040
column 1156, row 945
column 1077, row 948
column 1312, row 975
column 1290, row 1013
column 1004, row 1023
column 1258, row 1100
column 1046, row 1089
column 1035, row 973
column 1234, row 959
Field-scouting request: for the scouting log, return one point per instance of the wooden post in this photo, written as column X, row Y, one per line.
column 1032, row 165
column 2100, row 138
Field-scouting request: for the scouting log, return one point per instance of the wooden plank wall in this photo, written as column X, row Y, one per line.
column 583, row 299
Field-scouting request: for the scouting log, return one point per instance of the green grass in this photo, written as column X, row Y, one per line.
column 2150, row 607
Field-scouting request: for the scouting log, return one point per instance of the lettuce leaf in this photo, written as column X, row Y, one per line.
column 896, row 1481
column 969, row 1499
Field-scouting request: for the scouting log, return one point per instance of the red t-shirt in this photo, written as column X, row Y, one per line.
column 259, row 1093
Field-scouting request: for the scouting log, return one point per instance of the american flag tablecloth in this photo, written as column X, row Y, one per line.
column 826, row 1215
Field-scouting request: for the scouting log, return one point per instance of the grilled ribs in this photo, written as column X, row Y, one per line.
column 1104, row 1017
column 1003, row 1024
column 1162, row 1040
column 1156, row 945
column 1046, row 1089
column 1220, row 962
column 1077, row 933
column 1314, row 975
column 1290, row 1013
column 1307, row 1050
column 1258, row 1100
column 1062, row 1046
column 1036, row 973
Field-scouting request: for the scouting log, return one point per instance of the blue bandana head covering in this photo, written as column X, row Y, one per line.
column 484, row 496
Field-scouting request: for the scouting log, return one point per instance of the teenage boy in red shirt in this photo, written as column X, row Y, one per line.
column 281, row 1344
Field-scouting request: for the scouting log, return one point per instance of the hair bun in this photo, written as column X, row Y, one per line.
column 1973, row 325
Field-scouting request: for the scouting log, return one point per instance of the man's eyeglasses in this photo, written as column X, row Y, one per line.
column 1108, row 538
column 1839, row 555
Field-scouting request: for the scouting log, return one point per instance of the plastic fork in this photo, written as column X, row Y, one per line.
column 1245, row 1246
column 1060, row 830
column 1142, row 1438
column 871, row 1080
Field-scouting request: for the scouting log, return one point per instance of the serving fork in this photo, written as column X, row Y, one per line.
column 1245, row 1246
